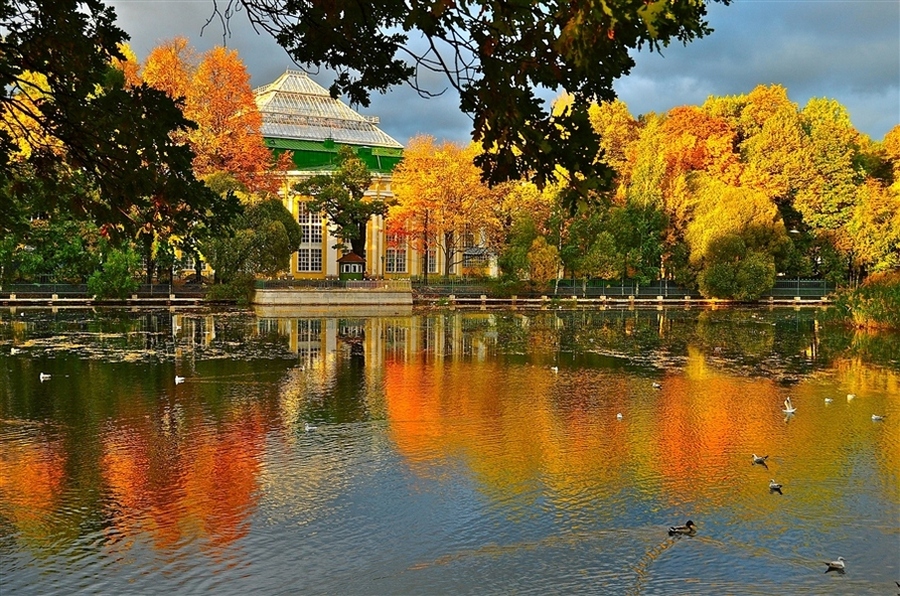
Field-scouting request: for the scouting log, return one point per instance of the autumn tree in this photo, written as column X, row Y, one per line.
column 543, row 261
column 441, row 202
column 527, row 211
column 228, row 137
column 340, row 195
column 618, row 131
column 874, row 227
column 215, row 88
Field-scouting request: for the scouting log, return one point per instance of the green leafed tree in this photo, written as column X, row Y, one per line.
column 117, row 277
column 734, row 272
column 263, row 240
column 340, row 195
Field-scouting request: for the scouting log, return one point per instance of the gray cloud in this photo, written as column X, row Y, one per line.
column 846, row 50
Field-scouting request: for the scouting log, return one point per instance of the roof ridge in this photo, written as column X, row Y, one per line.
column 296, row 107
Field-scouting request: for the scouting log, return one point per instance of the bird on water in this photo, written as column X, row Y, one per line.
column 760, row 459
column 688, row 529
column 789, row 407
column 838, row 565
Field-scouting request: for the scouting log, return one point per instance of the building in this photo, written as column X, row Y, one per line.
column 300, row 117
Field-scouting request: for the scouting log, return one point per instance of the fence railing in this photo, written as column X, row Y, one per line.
column 807, row 289
column 389, row 285
column 81, row 290
column 784, row 289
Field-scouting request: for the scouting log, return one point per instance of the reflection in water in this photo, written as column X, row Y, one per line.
column 453, row 452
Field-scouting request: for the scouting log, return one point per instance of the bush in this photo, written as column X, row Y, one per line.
column 876, row 303
column 117, row 276
column 732, row 271
column 238, row 290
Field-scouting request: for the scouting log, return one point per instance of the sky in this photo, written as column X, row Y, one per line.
column 847, row 50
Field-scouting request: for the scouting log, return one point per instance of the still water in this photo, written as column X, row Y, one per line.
column 446, row 453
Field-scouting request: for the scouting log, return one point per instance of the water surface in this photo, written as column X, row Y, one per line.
column 446, row 453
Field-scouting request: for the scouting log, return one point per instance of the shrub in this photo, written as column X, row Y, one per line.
column 117, row 276
column 876, row 303
column 238, row 290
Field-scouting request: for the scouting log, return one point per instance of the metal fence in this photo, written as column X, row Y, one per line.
column 390, row 285
column 81, row 290
column 806, row 289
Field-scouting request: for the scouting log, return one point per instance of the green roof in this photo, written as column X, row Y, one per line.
column 320, row 155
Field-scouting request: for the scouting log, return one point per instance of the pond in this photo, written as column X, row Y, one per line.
column 447, row 452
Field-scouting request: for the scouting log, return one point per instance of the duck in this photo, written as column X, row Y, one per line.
column 688, row 529
column 828, row 400
column 554, row 369
column 619, row 416
column 657, row 386
column 838, row 565
column 789, row 407
column 309, row 427
column 179, row 380
column 877, row 418
column 44, row 377
column 14, row 351
column 851, row 396
column 775, row 487
column 757, row 459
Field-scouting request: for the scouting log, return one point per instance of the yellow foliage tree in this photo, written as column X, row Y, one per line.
column 441, row 202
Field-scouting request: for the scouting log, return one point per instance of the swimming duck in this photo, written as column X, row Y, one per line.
column 309, row 427
column 851, row 396
column 775, row 487
column 836, row 565
column 44, row 377
column 828, row 400
column 877, row 418
column 619, row 416
column 688, row 529
column 179, row 380
column 657, row 386
column 554, row 369
column 760, row 460
column 789, row 407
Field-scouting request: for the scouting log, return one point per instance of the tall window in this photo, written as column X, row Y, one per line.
column 310, row 225
column 431, row 260
column 395, row 256
column 309, row 254
column 309, row 259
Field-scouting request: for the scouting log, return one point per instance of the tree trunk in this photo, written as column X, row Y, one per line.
column 149, row 261
column 448, row 253
column 358, row 244
column 425, row 246
column 198, row 267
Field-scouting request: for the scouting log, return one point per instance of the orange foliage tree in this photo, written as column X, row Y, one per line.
column 218, row 98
